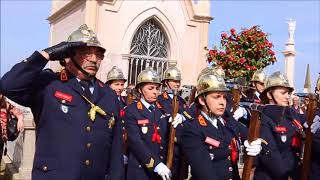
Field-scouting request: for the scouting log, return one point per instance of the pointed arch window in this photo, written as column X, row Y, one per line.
column 149, row 47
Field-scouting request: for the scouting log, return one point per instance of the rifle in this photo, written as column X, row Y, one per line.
column 192, row 95
column 125, row 133
column 172, row 131
column 129, row 96
column 254, row 131
column 308, row 141
column 235, row 98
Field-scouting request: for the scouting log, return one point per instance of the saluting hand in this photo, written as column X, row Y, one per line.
column 59, row 51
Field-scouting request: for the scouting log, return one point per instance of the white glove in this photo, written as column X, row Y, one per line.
column 163, row 171
column 240, row 112
column 254, row 148
column 177, row 120
column 125, row 159
column 315, row 124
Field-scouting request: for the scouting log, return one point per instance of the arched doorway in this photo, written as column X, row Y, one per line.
column 149, row 47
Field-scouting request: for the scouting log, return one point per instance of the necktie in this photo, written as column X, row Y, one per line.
column 86, row 90
column 151, row 108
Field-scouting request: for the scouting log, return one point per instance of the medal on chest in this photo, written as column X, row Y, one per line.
column 64, row 108
column 282, row 130
column 144, row 127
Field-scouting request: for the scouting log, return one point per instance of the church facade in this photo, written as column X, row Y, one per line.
column 137, row 34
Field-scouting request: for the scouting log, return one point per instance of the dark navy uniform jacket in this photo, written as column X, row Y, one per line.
column 69, row 146
column 166, row 102
column 315, row 154
column 147, row 141
column 211, row 151
column 279, row 158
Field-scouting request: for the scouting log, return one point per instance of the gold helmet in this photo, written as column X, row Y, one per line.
column 210, row 82
column 212, row 70
column 148, row 76
column 172, row 73
column 85, row 35
column 259, row 76
column 276, row 79
column 115, row 74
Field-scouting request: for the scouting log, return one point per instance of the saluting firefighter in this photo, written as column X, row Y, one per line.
column 74, row 112
column 210, row 141
column 116, row 81
column 282, row 129
column 148, row 128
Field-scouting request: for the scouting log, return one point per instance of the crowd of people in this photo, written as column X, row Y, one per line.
column 87, row 129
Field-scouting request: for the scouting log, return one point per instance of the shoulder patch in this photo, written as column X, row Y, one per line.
column 202, row 121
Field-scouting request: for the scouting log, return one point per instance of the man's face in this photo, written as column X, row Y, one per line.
column 89, row 59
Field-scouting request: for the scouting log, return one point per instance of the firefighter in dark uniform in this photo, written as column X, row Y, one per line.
column 171, row 81
column 147, row 128
column 210, row 141
column 315, row 148
column 211, row 70
column 74, row 112
column 282, row 130
column 116, row 81
column 251, row 95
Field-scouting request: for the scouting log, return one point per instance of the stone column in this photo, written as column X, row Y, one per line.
column 290, row 53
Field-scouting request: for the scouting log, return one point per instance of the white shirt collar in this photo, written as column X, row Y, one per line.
column 145, row 103
column 213, row 121
column 257, row 94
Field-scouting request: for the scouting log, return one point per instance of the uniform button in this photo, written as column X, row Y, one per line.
column 63, row 101
column 87, row 162
column 88, row 128
column 139, row 166
column 230, row 179
column 25, row 60
column 161, row 157
column 45, row 168
column 122, row 121
column 123, row 128
column 229, row 158
column 88, row 145
column 230, row 169
column 210, row 147
column 161, row 147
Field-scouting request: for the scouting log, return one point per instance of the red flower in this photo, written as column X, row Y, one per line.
column 221, row 53
column 271, row 53
column 213, row 52
column 209, row 59
column 242, row 60
column 247, row 67
column 224, row 35
column 270, row 45
column 233, row 31
column 253, row 68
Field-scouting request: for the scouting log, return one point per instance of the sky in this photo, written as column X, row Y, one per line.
column 24, row 29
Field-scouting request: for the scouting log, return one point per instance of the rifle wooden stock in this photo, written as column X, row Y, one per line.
column 235, row 98
column 192, row 96
column 254, row 131
column 305, row 168
column 172, row 131
column 129, row 96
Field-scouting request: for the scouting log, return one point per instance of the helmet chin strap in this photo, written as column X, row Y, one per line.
column 82, row 70
column 273, row 99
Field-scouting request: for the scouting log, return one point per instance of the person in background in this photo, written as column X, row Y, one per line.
column 6, row 109
column 296, row 104
column 116, row 81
